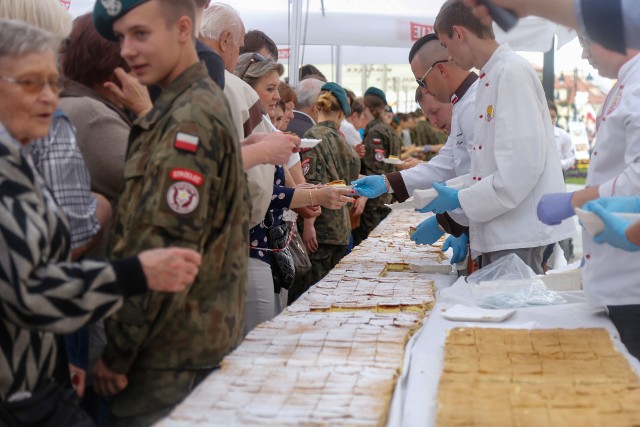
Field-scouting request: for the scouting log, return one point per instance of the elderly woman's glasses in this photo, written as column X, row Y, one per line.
column 34, row 86
column 255, row 57
column 421, row 81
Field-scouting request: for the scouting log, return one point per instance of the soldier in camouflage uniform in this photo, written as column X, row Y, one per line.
column 331, row 160
column 184, row 186
column 380, row 141
column 425, row 134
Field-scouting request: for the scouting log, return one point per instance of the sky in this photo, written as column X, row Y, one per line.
column 567, row 57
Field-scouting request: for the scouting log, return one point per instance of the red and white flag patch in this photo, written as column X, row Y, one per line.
column 377, row 141
column 186, row 142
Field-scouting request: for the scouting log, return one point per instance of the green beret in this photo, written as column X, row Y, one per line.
column 106, row 12
column 376, row 92
column 340, row 95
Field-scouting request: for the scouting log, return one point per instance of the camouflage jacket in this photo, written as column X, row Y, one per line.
column 184, row 185
column 380, row 141
column 425, row 134
column 324, row 163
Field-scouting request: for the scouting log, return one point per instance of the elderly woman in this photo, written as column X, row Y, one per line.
column 41, row 294
column 327, row 236
column 262, row 304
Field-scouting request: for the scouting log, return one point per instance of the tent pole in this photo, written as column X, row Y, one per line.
column 295, row 31
column 339, row 65
column 548, row 71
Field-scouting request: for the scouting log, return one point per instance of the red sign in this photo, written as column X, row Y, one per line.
column 65, row 3
column 283, row 53
column 419, row 30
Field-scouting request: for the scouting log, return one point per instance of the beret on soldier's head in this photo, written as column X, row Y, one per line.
column 376, row 92
column 106, row 12
column 337, row 91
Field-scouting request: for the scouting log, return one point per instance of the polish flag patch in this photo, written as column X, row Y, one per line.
column 186, row 142
column 186, row 175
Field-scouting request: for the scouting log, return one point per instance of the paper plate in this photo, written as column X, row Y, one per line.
column 393, row 161
column 463, row 313
column 406, row 205
column 594, row 225
column 309, row 143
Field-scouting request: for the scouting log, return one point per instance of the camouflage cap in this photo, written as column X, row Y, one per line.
column 106, row 12
column 376, row 92
column 337, row 91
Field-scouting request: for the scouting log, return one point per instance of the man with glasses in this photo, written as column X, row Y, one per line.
column 513, row 159
column 442, row 82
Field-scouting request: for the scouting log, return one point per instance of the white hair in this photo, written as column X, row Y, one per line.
column 19, row 39
column 218, row 18
column 48, row 15
column 308, row 91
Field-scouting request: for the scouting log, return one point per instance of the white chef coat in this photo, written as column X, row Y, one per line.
column 611, row 276
column 514, row 161
column 453, row 160
column 566, row 150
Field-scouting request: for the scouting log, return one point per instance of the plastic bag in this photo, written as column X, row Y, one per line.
column 509, row 283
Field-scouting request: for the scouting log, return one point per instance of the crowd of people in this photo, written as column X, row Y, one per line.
column 221, row 194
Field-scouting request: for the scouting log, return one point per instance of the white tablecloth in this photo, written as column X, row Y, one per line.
column 414, row 401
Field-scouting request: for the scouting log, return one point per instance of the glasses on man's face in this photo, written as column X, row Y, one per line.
column 34, row 86
column 255, row 57
column 421, row 82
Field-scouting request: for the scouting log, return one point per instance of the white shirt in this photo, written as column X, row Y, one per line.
column 242, row 98
column 566, row 150
column 454, row 159
column 611, row 276
column 350, row 133
column 514, row 160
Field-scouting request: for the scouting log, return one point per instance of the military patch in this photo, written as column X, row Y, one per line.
column 186, row 175
column 306, row 165
column 186, row 142
column 490, row 112
column 377, row 141
column 183, row 197
column 113, row 7
column 379, row 153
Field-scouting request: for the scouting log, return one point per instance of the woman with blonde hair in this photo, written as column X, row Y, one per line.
column 327, row 236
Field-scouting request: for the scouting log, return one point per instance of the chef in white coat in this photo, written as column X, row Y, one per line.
column 514, row 160
column 440, row 81
column 566, row 150
column 611, row 276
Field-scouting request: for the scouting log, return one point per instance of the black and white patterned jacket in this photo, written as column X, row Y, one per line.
column 41, row 294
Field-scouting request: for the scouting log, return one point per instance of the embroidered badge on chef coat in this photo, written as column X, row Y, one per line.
column 489, row 115
column 306, row 165
column 615, row 103
column 183, row 197
column 186, row 142
column 113, row 7
column 379, row 154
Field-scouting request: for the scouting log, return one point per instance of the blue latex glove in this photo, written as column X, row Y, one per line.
column 459, row 246
column 427, row 232
column 370, row 186
column 615, row 228
column 447, row 200
column 553, row 208
column 629, row 204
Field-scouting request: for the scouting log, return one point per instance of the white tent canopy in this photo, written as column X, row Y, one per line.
column 369, row 31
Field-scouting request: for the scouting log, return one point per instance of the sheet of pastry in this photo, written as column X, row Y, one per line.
column 546, row 377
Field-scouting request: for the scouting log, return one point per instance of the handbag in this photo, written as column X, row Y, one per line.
column 51, row 405
column 283, row 269
column 300, row 255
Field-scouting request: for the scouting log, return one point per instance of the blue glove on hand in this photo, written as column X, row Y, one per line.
column 615, row 228
column 370, row 186
column 553, row 208
column 447, row 200
column 459, row 246
column 427, row 232
column 630, row 204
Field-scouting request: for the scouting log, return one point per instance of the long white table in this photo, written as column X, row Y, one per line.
column 415, row 397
